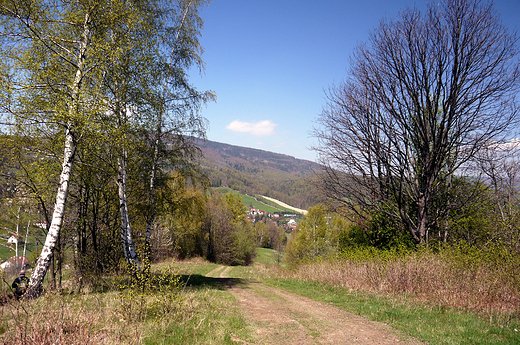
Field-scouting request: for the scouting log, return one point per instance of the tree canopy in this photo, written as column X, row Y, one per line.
column 422, row 97
column 101, row 80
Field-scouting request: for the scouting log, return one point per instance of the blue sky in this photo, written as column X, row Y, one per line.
column 269, row 62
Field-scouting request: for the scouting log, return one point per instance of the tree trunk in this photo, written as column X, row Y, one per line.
column 422, row 219
column 44, row 260
column 126, row 230
column 153, row 176
column 40, row 270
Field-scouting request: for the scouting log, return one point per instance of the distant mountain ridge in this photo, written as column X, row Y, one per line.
column 254, row 171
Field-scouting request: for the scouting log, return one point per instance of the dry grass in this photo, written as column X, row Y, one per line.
column 100, row 314
column 424, row 276
column 108, row 315
column 53, row 319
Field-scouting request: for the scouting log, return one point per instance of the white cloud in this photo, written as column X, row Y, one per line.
column 258, row 129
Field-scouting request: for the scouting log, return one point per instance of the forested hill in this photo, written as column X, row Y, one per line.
column 252, row 171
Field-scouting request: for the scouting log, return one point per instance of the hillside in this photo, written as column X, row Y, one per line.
column 252, row 171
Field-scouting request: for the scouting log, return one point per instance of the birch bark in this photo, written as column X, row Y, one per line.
column 44, row 260
column 126, row 230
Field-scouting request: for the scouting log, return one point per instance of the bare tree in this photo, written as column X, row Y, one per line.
column 499, row 163
column 422, row 97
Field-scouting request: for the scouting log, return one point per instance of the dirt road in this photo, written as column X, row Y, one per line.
column 281, row 317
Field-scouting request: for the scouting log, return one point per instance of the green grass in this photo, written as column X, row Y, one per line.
column 250, row 201
column 6, row 253
column 214, row 319
column 276, row 205
column 203, row 313
column 268, row 257
column 207, row 313
column 432, row 324
column 31, row 250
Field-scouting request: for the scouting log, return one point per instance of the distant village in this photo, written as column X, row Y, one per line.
column 287, row 221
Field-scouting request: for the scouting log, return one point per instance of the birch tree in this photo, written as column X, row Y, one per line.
column 150, row 96
column 178, row 119
column 52, row 53
column 70, row 68
column 128, row 81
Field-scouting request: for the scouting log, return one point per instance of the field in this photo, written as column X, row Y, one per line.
column 251, row 202
column 7, row 251
column 269, row 206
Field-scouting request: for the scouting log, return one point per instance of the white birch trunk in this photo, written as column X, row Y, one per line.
column 42, row 265
column 44, row 260
column 151, row 219
column 126, row 231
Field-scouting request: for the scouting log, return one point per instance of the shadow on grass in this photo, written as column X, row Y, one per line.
column 197, row 281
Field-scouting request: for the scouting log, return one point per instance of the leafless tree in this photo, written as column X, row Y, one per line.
column 500, row 165
column 422, row 97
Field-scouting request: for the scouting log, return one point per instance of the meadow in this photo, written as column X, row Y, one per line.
column 181, row 304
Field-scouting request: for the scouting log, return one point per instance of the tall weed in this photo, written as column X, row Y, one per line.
column 459, row 276
column 53, row 319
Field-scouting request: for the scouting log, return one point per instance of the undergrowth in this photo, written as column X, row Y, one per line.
column 482, row 280
column 151, row 307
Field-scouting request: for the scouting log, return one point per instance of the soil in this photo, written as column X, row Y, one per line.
column 281, row 317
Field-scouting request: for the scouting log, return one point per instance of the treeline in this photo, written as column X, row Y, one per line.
column 191, row 221
column 196, row 223
column 486, row 217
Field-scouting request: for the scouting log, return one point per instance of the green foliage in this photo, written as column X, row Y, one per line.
column 385, row 232
column 236, row 207
column 468, row 260
column 318, row 235
column 484, row 215
column 244, row 245
column 150, row 295
column 229, row 238
column 262, row 235
column 181, row 219
column 85, row 89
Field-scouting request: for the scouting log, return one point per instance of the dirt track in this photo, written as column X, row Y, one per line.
column 284, row 318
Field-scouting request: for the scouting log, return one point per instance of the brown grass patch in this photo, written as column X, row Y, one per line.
column 426, row 277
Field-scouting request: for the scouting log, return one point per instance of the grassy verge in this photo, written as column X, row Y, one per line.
column 202, row 312
column 432, row 324
column 213, row 319
column 269, row 257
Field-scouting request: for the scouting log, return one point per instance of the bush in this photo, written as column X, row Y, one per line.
column 150, row 295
